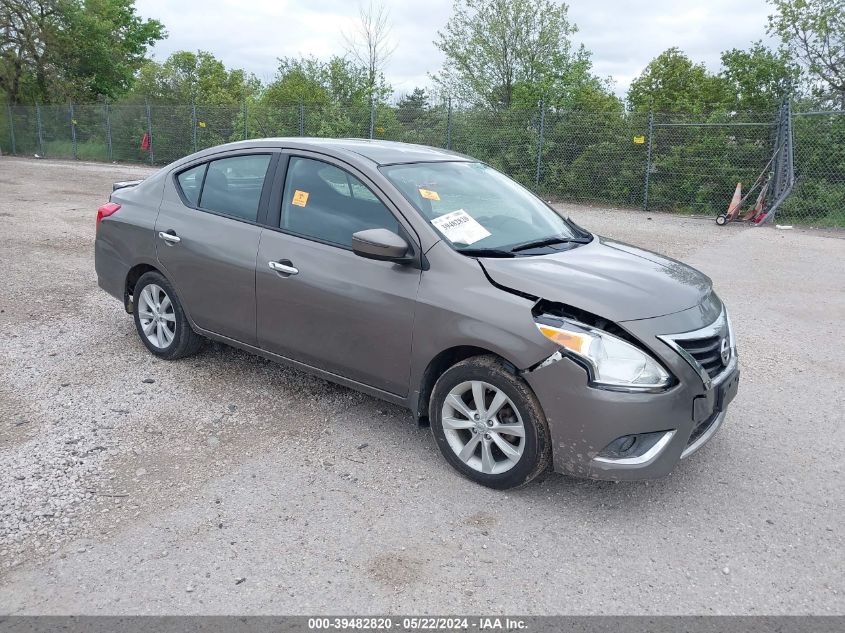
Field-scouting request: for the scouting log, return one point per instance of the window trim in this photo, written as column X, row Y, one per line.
column 274, row 216
column 269, row 180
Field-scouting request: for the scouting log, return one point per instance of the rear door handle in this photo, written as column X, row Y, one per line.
column 170, row 237
column 285, row 268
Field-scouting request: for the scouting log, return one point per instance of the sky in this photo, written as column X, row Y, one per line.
column 623, row 36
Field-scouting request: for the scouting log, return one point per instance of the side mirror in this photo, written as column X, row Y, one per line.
column 380, row 244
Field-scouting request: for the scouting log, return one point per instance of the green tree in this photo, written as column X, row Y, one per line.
column 298, row 80
column 53, row 50
column 497, row 48
column 759, row 78
column 672, row 82
column 348, row 83
column 314, row 81
column 413, row 120
column 814, row 32
column 28, row 30
column 187, row 77
column 102, row 45
column 334, row 95
column 413, row 107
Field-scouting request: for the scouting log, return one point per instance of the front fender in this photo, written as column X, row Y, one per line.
column 457, row 306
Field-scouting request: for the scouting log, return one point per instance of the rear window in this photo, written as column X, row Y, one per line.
column 230, row 186
column 190, row 182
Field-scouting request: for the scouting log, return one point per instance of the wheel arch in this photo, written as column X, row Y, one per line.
column 132, row 277
column 436, row 368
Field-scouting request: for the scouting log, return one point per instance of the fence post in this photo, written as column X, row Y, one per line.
column 540, row 142
column 12, row 129
column 790, row 156
column 150, row 132
column 301, row 119
column 372, row 115
column 109, row 149
column 73, row 132
column 246, row 114
column 194, row 124
column 449, row 123
column 40, row 130
column 648, row 158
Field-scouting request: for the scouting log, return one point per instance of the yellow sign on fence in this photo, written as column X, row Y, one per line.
column 639, row 140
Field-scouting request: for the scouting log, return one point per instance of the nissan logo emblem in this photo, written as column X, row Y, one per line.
column 725, row 352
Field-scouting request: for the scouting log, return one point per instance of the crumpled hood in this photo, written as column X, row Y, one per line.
column 610, row 279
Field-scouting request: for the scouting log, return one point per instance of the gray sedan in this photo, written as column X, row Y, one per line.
column 430, row 280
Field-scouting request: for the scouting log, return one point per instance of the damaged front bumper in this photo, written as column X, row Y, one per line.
column 618, row 435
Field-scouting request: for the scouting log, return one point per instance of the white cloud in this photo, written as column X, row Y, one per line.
column 623, row 36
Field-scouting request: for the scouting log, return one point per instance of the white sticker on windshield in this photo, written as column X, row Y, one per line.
column 459, row 227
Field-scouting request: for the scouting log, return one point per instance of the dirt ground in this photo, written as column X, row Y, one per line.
column 227, row 484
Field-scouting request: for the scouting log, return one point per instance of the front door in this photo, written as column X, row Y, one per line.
column 321, row 304
column 207, row 236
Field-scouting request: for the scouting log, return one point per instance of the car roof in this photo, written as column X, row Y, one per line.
column 378, row 151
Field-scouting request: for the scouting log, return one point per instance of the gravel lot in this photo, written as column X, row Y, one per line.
column 227, row 484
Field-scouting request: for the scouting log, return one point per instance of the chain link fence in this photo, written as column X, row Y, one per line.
column 680, row 163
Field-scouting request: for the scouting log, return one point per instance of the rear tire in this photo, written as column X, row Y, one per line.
column 160, row 320
column 721, row 219
column 503, row 442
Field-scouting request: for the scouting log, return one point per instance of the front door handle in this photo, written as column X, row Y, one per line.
column 168, row 236
column 283, row 267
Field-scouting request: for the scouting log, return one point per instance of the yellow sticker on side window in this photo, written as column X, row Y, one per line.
column 429, row 195
column 300, row 198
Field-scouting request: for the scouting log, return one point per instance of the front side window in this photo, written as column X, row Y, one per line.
column 190, row 182
column 330, row 204
column 233, row 186
column 475, row 207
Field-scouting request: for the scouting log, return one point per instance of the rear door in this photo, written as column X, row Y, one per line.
column 207, row 235
column 326, row 306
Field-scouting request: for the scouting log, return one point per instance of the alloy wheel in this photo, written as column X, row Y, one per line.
column 483, row 427
column 155, row 312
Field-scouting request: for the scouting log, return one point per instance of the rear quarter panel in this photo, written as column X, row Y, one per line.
column 127, row 238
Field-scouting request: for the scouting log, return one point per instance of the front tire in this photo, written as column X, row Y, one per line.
column 160, row 320
column 489, row 425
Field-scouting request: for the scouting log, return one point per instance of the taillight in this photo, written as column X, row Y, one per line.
column 106, row 210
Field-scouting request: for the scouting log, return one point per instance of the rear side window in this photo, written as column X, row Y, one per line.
column 231, row 186
column 330, row 204
column 190, row 182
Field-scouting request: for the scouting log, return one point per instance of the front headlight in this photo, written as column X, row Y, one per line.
column 612, row 361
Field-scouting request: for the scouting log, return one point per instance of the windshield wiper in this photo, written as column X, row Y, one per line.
column 485, row 252
column 549, row 241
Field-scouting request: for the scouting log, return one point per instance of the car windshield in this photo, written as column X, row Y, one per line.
column 477, row 209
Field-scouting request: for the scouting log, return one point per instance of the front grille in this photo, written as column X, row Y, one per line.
column 707, row 351
column 702, row 348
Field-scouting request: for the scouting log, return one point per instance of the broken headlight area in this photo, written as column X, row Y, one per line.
column 610, row 360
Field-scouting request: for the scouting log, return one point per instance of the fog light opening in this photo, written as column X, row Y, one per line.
column 636, row 448
column 627, row 444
